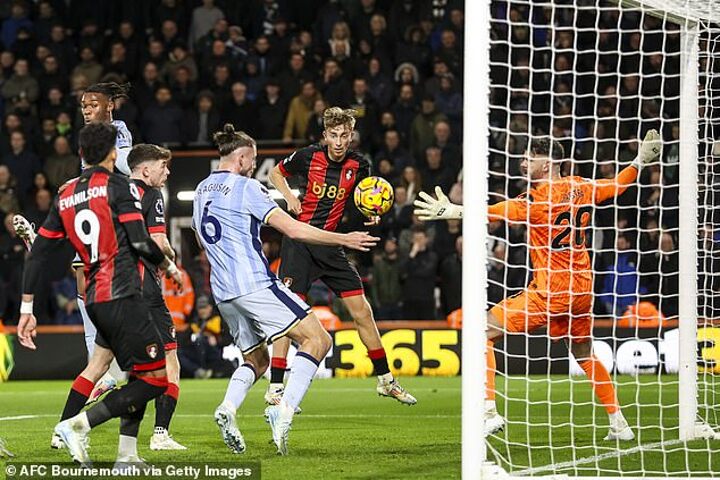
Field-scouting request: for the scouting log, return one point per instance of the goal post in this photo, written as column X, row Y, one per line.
column 541, row 68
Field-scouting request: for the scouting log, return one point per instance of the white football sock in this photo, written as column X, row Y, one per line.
column 302, row 372
column 242, row 380
column 127, row 446
column 490, row 405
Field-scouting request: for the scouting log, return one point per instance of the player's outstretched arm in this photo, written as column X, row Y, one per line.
column 304, row 232
column 649, row 152
column 440, row 208
column 280, row 183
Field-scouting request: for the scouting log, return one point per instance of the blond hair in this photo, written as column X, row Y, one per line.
column 336, row 116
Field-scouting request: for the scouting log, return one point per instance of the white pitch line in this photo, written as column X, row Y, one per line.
column 597, row 458
column 21, row 417
column 304, row 415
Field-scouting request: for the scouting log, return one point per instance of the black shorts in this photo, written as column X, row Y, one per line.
column 302, row 264
column 125, row 327
column 152, row 296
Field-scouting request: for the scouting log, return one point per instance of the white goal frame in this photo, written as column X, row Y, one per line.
column 687, row 14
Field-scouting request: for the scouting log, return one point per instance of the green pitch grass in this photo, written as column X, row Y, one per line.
column 562, row 413
column 346, row 431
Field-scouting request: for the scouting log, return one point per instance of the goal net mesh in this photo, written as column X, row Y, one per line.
column 596, row 76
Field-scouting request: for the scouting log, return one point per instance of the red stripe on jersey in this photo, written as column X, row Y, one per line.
column 346, row 183
column 44, row 232
column 284, row 172
column 157, row 229
column 108, row 246
column 147, row 367
column 130, row 217
column 316, row 177
column 68, row 219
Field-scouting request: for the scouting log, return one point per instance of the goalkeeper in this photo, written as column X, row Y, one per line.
column 556, row 210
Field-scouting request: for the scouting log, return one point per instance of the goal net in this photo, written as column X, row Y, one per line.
column 596, row 76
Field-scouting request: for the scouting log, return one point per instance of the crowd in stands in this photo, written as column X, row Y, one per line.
column 271, row 67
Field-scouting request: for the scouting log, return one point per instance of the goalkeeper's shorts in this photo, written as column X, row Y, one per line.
column 567, row 315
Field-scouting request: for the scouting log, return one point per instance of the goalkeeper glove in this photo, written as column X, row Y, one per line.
column 649, row 149
column 441, row 209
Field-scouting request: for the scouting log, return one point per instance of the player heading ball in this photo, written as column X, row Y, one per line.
column 228, row 211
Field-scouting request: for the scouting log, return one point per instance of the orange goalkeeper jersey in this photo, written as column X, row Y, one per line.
column 557, row 212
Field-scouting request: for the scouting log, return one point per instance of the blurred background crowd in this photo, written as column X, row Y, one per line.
column 591, row 77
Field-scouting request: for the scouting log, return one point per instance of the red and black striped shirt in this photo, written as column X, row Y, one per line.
column 153, row 212
column 326, row 185
column 90, row 212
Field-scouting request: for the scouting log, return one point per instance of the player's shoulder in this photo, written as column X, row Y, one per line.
column 307, row 153
column 359, row 157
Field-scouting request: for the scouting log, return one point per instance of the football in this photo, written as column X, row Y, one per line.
column 374, row 196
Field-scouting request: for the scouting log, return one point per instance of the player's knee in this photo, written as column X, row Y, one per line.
column 324, row 343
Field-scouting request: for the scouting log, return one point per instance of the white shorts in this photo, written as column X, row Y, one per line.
column 263, row 316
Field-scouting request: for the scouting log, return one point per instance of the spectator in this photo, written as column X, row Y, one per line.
column 202, row 121
column 22, row 163
column 241, row 112
column 179, row 303
column 660, row 274
column 254, row 80
column 169, row 34
column 40, row 182
column 272, row 109
column 218, row 55
column 264, row 57
column 386, row 291
column 203, row 48
column 412, row 181
column 64, row 292
column 156, row 53
column 400, row 216
column 339, row 40
column 39, row 209
column 451, row 153
column 179, row 58
column 316, row 124
column 43, row 143
column 379, row 84
column 52, row 76
column 221, row 84
column 61, row 47
column 414, row 49
column 203, row 20
column 620, row 281
column 449, row 101
column 47, row 17
column 301, row 107
column 131, row 40
column 291, row 80
column 12, row 256
column 393, row 151
column 200, row 350
column 162, row 121
column 91, row 36
column 446, row 234
column 118, row 63
column 237, row 44
column 435, row 172
column 367, row 112
column 184, row 88
column 432, row 84
column 88, row 66
column 11, row 26
column 62, row 165
column 418, row 275
column 170, row 10
column 20, row 86
column 334, row 87
column 405, row 110
column 451, row 279
column 449, row 52
column 423, row 125
column 8, row 199
column 144, row 91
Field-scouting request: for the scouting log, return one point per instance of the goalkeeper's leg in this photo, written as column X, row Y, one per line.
column 603, row 387
column 493, row 421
